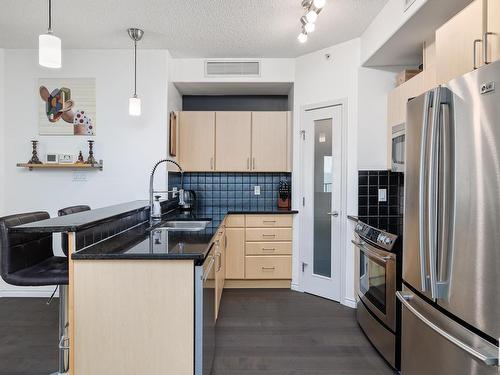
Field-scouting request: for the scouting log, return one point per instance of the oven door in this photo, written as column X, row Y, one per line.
column 377, row 282
column 398, row 148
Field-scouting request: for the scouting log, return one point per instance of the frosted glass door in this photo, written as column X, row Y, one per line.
column 322, row 253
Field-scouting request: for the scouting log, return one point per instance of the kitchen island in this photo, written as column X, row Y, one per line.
column 145, row 299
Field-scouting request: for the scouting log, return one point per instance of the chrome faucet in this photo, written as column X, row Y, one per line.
column 152, row 192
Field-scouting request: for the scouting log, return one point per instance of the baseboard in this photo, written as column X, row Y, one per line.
column 255, row 284
column 27, row 293
column 296, row 287
column 349, row 302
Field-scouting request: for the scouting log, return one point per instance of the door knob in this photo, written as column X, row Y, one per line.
column 334, row 213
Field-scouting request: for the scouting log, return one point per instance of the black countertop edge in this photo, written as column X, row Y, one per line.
column 262, row 212
column 87, row 219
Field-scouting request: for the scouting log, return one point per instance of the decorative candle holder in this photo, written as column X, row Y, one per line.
column 91, row 159
column 80, row 159
column 34, row 154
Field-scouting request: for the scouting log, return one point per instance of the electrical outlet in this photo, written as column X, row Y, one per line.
column 174, row 194
column 79, row 176
column 256, row 190
column 382, row 195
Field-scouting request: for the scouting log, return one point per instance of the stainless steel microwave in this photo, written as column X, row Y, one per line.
column 398, row 148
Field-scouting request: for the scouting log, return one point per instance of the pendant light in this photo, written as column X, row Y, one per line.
column 49, row 46
column 134, row 103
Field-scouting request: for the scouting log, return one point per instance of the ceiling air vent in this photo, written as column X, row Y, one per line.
column 232, row 68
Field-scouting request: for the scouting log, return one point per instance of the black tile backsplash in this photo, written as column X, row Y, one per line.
column 383, row 215
column 220, row 192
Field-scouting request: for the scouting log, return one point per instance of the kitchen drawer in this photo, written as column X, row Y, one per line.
column 268, row 267
column 235, row 221
column 264, row 221
column 268, row 234
column 268, row 248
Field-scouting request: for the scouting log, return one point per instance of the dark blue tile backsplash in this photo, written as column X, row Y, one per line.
column 382, row 215
column 220, row 192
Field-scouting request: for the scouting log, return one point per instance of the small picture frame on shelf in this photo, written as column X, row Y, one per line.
column 51, row 159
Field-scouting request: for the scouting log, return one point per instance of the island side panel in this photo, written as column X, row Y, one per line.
column 133, row 317
column 70, row 302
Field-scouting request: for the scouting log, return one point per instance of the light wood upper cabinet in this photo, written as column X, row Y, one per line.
column 235, row 253
column 455, row 42
column 197, row 141
column 232, row 141
column 494, row 28
column 269, row 141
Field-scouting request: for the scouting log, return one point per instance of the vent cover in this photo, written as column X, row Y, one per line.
column 232, row 68
column 408, row 4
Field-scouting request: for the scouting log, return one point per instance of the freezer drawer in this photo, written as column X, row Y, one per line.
column 433, row 344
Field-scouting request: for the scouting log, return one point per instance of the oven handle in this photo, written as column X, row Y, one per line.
column 361, row 246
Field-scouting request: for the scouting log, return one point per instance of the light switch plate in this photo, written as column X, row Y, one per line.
column 382, row 195
column 256, row 190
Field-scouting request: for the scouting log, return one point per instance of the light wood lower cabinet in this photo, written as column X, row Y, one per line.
column 268, row 267
column 258, row 248
column 220, row 267
column 268, row 248
column 235, row 253
column 268, row 234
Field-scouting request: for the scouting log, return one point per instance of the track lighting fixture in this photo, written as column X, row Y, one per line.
column 308, row 20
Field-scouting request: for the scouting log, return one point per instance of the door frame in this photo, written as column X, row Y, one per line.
column 343, row 103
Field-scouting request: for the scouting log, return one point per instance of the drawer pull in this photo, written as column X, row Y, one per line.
column 268, row 249
column 268, row 268
column 269, row 235
column 269, row 221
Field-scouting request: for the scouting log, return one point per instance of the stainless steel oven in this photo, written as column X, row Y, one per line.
column 398, row 148
column 378, row 280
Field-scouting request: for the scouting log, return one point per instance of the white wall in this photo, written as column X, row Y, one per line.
column 373, row 87
column 387, row 22
column 319, row 80
column 129, row 146
column 272, row 70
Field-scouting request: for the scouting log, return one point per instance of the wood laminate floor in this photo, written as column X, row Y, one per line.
column 266, row 332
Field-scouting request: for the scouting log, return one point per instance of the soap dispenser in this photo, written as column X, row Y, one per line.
column 156, row 208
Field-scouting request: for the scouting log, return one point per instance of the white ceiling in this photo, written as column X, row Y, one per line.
column 188, row 28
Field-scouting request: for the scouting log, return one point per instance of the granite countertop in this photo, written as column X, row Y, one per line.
column 142, row 243
column 82, row 220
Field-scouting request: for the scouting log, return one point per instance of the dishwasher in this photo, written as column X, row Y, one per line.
column 204, row 346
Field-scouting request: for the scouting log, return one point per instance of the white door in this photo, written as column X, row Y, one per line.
column 321, row 188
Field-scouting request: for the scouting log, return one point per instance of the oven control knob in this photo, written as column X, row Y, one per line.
column 388, row 240
column 381, row 238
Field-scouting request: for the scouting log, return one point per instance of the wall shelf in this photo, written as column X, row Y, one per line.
column 72, row 166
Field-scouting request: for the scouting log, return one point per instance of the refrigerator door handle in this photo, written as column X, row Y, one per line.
column 422, row 188
column 486, row 358
column 432, row 207
column 445, row 199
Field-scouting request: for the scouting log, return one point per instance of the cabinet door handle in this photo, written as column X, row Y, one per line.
column 253, row 162
column 269, row 221
column 248, row 163
column 485, row 47
column 269, row 235
column 475, row 52
column 268, row 249
column 211, row 163
column 268, row 268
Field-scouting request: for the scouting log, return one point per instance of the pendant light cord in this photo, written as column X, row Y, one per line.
column 50, row 17
column 135, row 68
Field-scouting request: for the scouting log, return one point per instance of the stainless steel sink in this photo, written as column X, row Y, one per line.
column 184, row 225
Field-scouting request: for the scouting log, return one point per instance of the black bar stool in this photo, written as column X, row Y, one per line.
column 27, row 259
column 68, row 211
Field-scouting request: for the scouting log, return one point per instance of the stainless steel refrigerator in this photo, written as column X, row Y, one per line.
column 451, row 242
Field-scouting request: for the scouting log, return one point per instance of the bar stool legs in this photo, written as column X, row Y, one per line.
column 63, row 332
